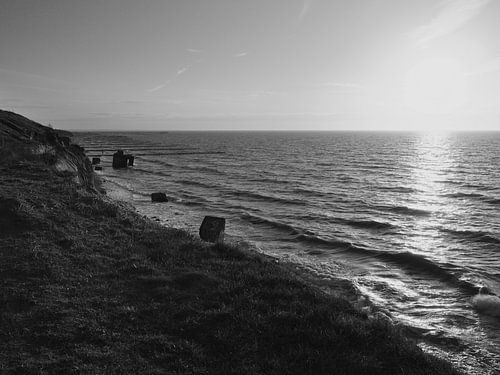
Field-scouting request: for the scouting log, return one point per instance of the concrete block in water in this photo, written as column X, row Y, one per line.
column 119, row 160
column 159, row 197
column 212, row 229
column 96, row 161
column 97, row 168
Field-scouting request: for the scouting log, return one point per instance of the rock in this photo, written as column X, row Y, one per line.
column 212, row 229
column 119, row 160
column 98, row 168
column 159, row 197
column 96, row 161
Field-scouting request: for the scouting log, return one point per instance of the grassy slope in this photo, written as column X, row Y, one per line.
column 91, row 287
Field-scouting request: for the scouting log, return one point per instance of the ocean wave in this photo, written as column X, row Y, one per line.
column 194, row 183
column 494, row 201
column 267, row 198
column 449, row 182
column 480, row 187
column 482, row 197
column 298, row 234
column 255, row 219
column 204, row 169
column 187, row 198
column 487, row 304
column 404, row 260
column 421, row 264
column 476, row 236
column 415, row 261
column 398, row 189
column 404, row 210
column 377, row 166
column 368, row 224
column 462, row 195
column 311, row 193
column 271, row 180
column 157, row 161
column 334, row 243
column 148, row 171
column 191, row 203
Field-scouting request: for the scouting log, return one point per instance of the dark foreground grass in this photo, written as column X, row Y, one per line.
column 90, row 287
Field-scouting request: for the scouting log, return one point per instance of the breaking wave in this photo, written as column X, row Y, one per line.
column 487, row 304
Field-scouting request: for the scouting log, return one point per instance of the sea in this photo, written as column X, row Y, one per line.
column 410, row 220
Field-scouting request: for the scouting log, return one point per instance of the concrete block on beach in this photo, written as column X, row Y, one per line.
column 212, row 229
column 159, row 197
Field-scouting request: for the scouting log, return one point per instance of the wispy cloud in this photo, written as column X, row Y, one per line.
column 194, row 50
column 159, row 87
column 452, row 15
column 306, row 6
column 241, row 54
column 179, row 72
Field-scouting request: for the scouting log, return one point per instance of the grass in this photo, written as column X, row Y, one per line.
column 89, row 286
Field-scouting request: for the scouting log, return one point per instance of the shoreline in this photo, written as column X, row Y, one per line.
column 90, row 286
column 338, row 287
column 176, row 218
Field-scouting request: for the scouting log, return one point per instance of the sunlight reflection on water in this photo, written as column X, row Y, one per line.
column 432, row 159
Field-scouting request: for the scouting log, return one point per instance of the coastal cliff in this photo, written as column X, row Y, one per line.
column 22, row 138
column 90, row 286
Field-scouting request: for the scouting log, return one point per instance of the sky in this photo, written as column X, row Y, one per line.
column 252, row 65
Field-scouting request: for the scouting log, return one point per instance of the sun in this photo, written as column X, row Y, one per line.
column 436, row 86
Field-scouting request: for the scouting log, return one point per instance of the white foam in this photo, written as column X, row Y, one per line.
column 487, row 304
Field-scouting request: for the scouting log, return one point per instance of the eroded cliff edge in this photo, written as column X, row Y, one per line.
column 21, row 138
